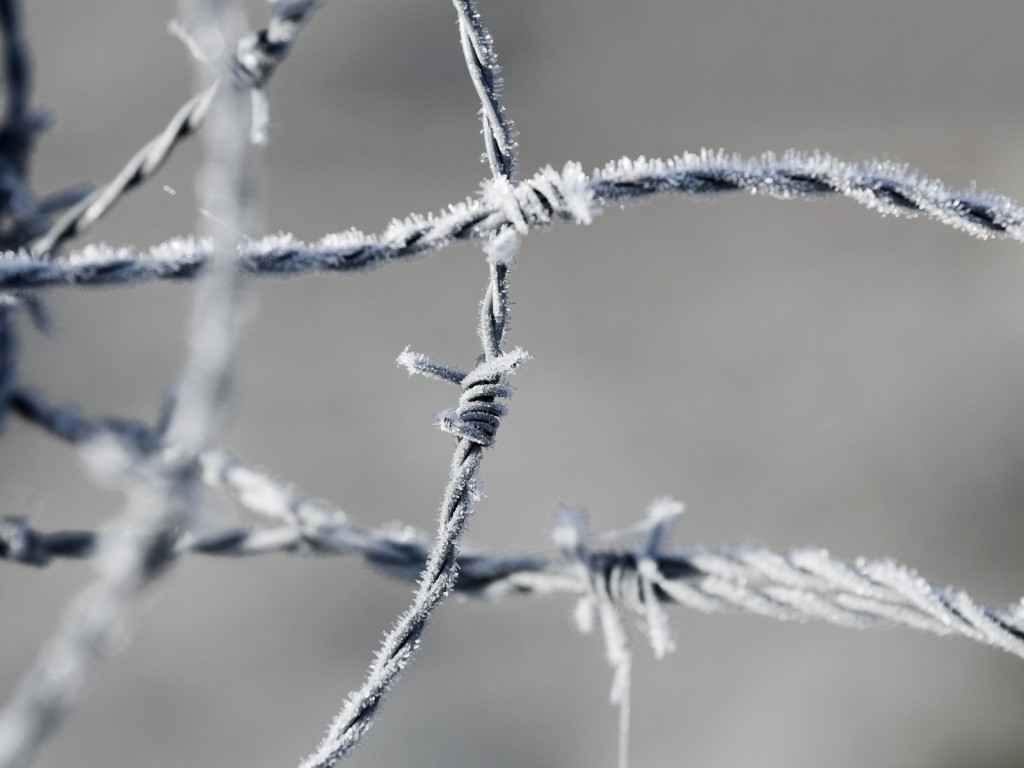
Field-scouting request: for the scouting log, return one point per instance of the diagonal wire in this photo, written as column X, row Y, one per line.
column 537, row 202
column 257, row 56
column 141, row 167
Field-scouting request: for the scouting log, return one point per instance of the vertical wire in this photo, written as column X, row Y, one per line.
column 438, row 577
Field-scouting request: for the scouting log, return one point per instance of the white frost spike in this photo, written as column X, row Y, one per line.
column 578, row 197
column 659, row 627
column 414, row 362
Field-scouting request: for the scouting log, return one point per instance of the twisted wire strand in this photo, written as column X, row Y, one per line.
column 21, row 212
column 140, row 168
column 17, row 134
column 474, row 422
column 482, row 63
column 799, row 585
column 537, row 202
column 257, row 56
column 28, row 216
column 260, row 53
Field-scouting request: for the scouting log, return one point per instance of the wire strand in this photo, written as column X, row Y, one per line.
column 537, row 202
column 799, row 585
column 474, row 422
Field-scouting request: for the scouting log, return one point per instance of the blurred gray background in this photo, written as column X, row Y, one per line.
column 797, row 373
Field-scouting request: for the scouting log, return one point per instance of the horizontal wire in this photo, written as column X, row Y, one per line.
column 537, row 202
column 798, row 585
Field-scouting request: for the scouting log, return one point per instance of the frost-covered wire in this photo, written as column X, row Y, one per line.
column 224, row 187
column 798, row 585
column 478, row 51
column 261, row 52
column 257, row 56
column 474, row 422
column 536, row 202
column 163, row 466
column 143, row 164
column 304, row 526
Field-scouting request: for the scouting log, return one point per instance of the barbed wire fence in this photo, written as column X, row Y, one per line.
column 627, row 575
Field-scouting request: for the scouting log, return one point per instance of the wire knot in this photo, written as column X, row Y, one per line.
column 540, row 199
column 477, row 416
column 629, row 579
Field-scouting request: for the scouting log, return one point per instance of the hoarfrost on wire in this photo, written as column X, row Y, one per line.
column 627, row 576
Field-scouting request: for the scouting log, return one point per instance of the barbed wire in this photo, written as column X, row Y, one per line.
column 474, row 422
column 613, row 576
column 537, row 202
column 482, row 63
column 799, row 585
